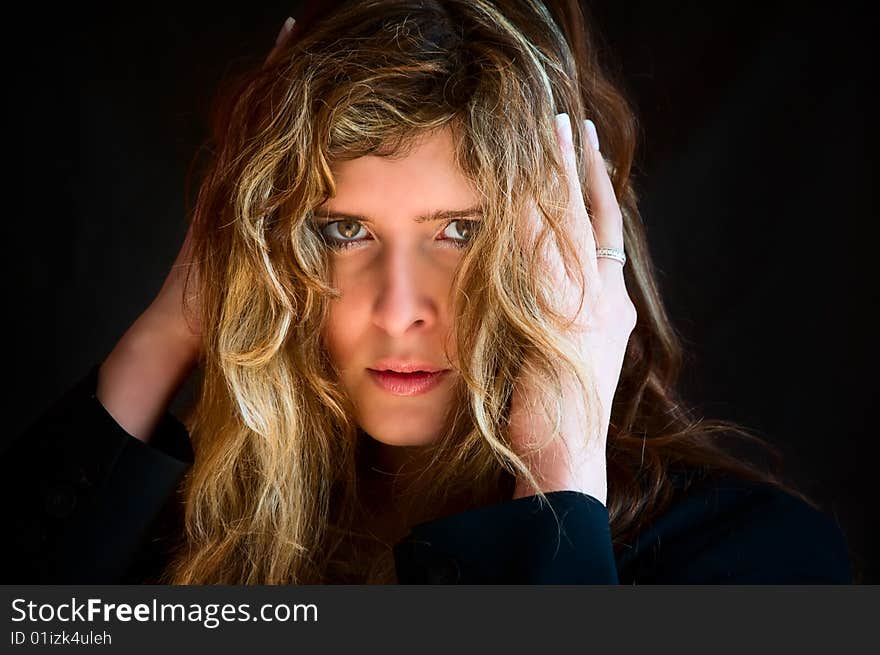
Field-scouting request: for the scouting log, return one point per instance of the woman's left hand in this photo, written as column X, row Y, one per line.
column 602, row 327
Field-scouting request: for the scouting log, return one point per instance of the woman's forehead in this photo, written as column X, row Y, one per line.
column 425, row 183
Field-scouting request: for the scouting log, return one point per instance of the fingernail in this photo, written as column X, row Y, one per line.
column 285, row 29
column 591, row 133
column 563, row 125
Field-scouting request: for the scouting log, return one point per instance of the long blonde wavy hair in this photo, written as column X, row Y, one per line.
column 273, row 493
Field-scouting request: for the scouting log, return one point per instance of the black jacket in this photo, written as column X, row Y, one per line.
column 84, row 500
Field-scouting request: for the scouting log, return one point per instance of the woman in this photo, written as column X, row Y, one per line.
column 431, row 343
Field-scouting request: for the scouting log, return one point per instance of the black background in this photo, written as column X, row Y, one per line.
column 754, row 173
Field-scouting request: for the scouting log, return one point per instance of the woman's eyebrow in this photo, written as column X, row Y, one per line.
column 439, row 215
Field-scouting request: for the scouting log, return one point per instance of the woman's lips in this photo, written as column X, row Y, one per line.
column 407, row 384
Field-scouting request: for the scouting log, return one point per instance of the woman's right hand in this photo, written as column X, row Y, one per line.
column 140, row 377
column 144, row 371
column 181, row 317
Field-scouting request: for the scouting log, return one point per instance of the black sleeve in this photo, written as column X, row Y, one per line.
column 79, row 491
column 723, row 532
column 514, row 542
column 738, row 532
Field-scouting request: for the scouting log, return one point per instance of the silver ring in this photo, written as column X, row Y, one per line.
column 611, row 253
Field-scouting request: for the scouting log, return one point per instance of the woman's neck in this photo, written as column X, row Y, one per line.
column 397, row 462
column 387, row 477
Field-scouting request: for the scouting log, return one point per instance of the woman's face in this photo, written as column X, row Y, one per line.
column 395, row 281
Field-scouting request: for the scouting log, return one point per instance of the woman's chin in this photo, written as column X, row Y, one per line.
column 400, row 440
column 397, row 438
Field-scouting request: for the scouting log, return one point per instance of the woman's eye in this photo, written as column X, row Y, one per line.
column 464, row 229
column 458, row 233
column 345, row 229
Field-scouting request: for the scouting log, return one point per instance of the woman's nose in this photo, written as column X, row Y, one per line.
column 405, row 295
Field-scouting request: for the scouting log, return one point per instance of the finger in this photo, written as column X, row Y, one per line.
column 285, row 31
column 281, row 39
column 579, row 220
column 606, row 216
